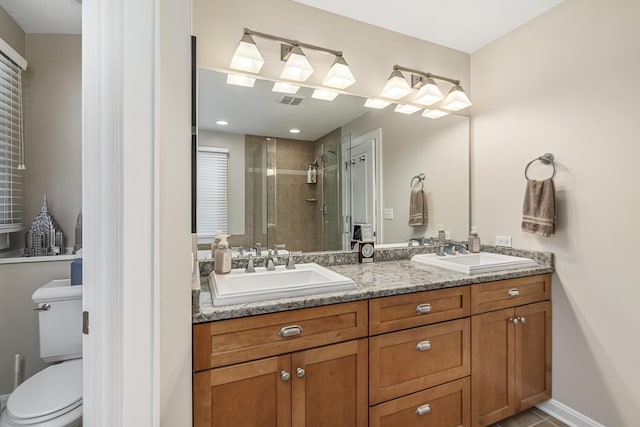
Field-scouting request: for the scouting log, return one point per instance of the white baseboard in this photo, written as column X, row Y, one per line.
column 3, row 401
column 567, row 415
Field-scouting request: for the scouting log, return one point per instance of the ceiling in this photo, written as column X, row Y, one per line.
column 465, row 25
column 46, row 16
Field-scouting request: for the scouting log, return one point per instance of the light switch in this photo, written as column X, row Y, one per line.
column 387, row 213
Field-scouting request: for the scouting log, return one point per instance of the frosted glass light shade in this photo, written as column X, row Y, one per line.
column 326, row 95
column 456, row 99
column 247, row 57
column 429, row 94
column 285, row 87
column 297, row 67
column 434, row 114
column 406, row 108
column 396, row 86
column 339, row 75
column 378, row 104
column 238, row 80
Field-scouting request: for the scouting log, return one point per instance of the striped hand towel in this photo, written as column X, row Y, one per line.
column 539, row 207
column 417, row 208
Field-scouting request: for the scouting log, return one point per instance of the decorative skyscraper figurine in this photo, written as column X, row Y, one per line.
column 78, row 244
column 44, row 237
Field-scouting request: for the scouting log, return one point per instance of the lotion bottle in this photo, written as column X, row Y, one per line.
column 474, row 240
column 222, row 263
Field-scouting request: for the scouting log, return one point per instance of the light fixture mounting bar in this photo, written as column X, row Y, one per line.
column 292, row 42
column 426, row 75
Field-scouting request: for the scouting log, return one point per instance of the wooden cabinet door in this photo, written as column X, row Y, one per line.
column 244, row 395
column 533, row 354
column 329, row 386
column 492, row 367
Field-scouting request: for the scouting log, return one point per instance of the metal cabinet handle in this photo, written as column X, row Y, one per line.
column 423, row 309
column 513, row 292
column 522, row 319
column 423, row 346
column 284, row 375
column 514, row 321
column 423, row 410
column 43, row 307
column 300, row 372
column 290, row 331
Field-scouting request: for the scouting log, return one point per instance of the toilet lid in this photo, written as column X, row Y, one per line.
column 52, row 391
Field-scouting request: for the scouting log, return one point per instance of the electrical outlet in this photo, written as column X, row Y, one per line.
column 503, row 241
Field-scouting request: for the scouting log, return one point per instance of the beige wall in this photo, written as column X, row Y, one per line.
column 11, row 32
column 18, row 321
column 53, row 117
column 567, row 83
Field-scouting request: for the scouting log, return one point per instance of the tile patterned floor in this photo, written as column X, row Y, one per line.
column 532, row 417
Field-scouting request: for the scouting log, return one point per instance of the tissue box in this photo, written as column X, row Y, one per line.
column 76, row 272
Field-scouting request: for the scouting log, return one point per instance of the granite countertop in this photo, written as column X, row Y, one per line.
column 374, row 280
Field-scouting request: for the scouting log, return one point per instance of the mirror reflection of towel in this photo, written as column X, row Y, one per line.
column 539, row 207
column 418, row 208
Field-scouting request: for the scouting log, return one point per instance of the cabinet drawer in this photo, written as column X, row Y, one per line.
column 405, row 362
column 239, row 340
column 417, row 309
column 509, row 293
column 442, row 406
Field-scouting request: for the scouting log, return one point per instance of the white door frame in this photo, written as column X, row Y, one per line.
column 120, row 211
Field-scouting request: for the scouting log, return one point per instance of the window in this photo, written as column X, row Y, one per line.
column 11, row 142
column 213, row 165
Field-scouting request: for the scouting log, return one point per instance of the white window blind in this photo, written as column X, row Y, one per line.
column 213, row 165
column 11, row 146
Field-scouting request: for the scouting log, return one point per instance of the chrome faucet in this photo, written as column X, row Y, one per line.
column 290, row 262
column 258, row 249
column 451, row 249
column 270, row 263
column 440, row 249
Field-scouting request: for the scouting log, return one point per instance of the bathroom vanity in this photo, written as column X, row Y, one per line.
column 408, row 347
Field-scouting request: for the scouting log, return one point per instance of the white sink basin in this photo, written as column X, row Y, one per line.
column 482, row 262
column 238, row 287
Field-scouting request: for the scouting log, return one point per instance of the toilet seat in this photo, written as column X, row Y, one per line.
column 49, row 394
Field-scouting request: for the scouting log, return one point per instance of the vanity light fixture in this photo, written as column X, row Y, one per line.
column 239, row 80
column 434, row 114
column 283, row 87
column 396, row 86
column 325, row 95
column 376, row 103
column 406, row 108
column 429, row 94
column 247, row 56
column 297, row 66
column 457, row 99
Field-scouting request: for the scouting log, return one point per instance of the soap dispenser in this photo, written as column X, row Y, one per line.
column 222, row 263
column 474, row 240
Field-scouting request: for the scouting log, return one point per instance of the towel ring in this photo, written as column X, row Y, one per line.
column 545, row 159
column 420, row 178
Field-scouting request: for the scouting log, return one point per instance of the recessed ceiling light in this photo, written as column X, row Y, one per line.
column 222, row 122
column 294, row 130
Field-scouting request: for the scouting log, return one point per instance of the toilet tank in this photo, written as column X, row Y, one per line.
column 60, row 323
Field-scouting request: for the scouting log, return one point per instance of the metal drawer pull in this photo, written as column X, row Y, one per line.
column 284, row 375
column 43, row 307
column 300, row 372
column 290, row 331
column 522, row 319
column 423, row 410
column 513, row 292
column 423, row 346
column 514, row 321
column 423, row 309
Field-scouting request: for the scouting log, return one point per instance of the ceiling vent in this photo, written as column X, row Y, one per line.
column 290, row 100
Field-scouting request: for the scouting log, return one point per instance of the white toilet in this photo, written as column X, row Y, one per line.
column 53, row 396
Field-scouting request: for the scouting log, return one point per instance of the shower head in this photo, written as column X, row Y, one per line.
column 318, row 159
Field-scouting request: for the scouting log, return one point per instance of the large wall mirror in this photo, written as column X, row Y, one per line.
column 347, row 166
